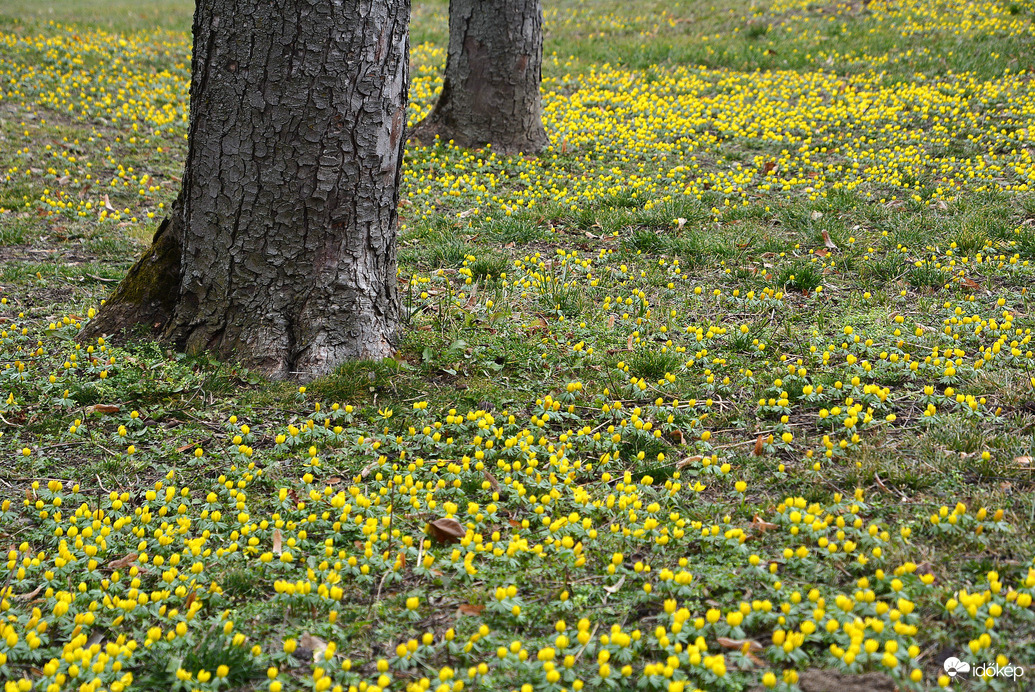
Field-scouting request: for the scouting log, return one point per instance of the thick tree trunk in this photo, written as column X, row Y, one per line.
column 490, row 94
column 286, row 221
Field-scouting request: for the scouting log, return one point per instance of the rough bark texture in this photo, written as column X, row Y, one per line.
column 287, row 216
column 490, row 94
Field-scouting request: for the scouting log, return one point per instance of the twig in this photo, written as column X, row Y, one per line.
column 101, row 486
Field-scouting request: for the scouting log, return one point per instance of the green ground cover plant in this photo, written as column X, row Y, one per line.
column 732, row 385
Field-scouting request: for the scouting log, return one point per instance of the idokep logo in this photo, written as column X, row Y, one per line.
column 957, row 670
column 955, row 667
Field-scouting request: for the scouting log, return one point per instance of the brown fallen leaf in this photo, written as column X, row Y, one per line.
column 744, row 645
column 313, row 643
column 103, row 408
column 827, row 242
column 31, row 595
column 629, row 343
column 184, row 448
column 1023, row 462
column 677, row 436
column 492, row 480
column 759, row 447
column 821, row 252
column 768, row 167
column 756, row 660
column 970, row 284
column 470, row 609
column 611, row 322
column 278, row 542
column 107, row 204
column 191, row 597
column 686, row 462
column 446, row 530
column 760, row 524
column 123, row 562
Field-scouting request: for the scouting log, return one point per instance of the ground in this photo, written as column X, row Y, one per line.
column 731, row 388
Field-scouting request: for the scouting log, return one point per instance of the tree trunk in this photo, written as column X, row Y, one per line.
column 280, row 252
column 490, row 94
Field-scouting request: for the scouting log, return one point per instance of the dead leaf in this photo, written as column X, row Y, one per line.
column 830, row 244
column 677, row 436
column 970, row 284
column 31, row 595
column 314, row 644
column 191, row 597
column 611, row 322
column 492, row 480
column 686, row 462
column 760, row 524
column 816, row 215
column 629, row 342
column 107, row 204
column 446, row 530
column 184, row 448
column 278, row 542
column 759, row 447
column 821, row 252
column 744, row 645
column 617, row 585
column 123, row 562
column 768, row 167
column 1023, row 462
column 102, row 408
column 369, row 468
column 470, row 609
column 756, row 660
column 469, row 212
column 680, row 222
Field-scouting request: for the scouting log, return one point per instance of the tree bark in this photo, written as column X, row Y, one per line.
column 490, row 94
column 280, row 251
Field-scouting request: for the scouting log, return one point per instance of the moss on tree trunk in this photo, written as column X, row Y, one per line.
column 280, row 251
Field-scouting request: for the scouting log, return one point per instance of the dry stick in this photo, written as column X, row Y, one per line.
column 591, row 636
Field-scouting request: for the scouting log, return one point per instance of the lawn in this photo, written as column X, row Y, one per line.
column 732, row 388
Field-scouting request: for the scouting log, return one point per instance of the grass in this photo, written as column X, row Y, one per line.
column 670, row 418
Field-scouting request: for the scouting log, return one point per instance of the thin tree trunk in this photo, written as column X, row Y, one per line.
column 490, row 94
column 287, row 217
